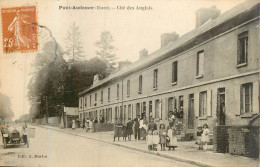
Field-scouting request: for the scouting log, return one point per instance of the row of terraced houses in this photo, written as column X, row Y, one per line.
column 209, row 75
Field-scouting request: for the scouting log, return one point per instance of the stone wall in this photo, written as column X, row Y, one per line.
column 220, row 139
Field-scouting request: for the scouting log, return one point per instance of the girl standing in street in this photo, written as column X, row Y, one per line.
column 205, row 136
column 73, row 125
column 162, row 134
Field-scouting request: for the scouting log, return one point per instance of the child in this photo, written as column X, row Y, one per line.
column 162, row 134
column 149, row 140
column 156, row 140
column 205, row 137
column 199, row 133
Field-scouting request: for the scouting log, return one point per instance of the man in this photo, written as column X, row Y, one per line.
column 136, row 127
column 152, row 125
column 84, row 121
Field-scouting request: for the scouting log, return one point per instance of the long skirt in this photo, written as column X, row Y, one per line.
column 143, row 133
column 118, row 132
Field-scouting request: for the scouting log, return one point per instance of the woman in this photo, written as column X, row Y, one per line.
column 73, row 125
column 118, row 129
column 172, row 134
column 129, row 128
column 143, row 128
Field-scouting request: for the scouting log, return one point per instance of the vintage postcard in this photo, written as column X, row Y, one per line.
column 135, row 83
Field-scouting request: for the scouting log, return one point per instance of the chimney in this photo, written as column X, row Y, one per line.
column 166, row 38
column 96, row 79
column 205, row 14
column 143, row 53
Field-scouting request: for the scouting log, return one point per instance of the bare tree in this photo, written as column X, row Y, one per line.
column 73, row 44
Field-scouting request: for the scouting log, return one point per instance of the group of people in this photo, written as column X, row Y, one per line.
column 142, row 130
column 203, row 137
column 89, row 123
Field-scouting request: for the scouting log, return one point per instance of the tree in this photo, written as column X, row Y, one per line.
column 73, row 44
column 106, row 49
column 5, row 107
column 49, row 76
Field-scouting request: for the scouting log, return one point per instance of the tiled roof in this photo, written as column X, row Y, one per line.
column 179, row 42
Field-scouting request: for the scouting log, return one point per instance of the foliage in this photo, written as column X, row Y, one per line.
column 49, row 76
column 106, row 49
column 73, row 44
column 5, row 107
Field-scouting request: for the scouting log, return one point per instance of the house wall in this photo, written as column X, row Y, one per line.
column 220, row 70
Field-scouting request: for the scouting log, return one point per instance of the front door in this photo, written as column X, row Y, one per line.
column 221, row 108
column 191, row 112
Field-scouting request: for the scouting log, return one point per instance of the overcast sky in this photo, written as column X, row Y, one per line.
column 132, row 30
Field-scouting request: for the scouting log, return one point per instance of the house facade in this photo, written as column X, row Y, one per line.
column 209, row 75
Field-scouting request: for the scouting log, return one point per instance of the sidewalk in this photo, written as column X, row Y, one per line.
column 185, row 152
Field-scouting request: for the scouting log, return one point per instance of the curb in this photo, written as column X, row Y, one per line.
column 135, row 149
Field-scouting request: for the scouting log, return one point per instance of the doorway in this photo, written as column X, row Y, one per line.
column 221, row 106
column 191, row 112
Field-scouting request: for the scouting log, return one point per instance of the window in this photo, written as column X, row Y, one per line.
column 174, row 72
column 144, row 108
column 108, row 94
column 140, row 84
column 246, row 98
column 128, row 88
column 170, row 106
column 203, row 104
column 101, row 97
column 80, row 103
column 200, row 64
column 90, row 100
column 242, row 50
column 95, row 97
column 85, row 101
column 117, row 91
column 157, row 109
column 155, row 79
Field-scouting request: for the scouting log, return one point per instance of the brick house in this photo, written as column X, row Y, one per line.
column 209, row 75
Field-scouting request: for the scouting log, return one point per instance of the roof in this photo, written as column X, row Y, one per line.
column 71, row 110
column 159, row 55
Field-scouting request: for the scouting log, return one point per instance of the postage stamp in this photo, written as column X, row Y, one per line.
column 19, row 29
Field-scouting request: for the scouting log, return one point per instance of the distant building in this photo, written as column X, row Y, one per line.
column 209, row 75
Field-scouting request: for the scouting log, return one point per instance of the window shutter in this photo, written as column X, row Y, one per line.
column 166, row 111
column 241, row 100
column 160, row 109
column 209, row 103
column 196, row 104
column 255, row 94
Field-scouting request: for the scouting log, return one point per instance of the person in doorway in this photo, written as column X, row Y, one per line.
column 152, row 125
column 91, row 126
column 137, row 127
column 95, row 120
column 101, row 119
column 205, row 137
column 84, row 121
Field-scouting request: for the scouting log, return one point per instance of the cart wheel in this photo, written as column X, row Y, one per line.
column 5, row 143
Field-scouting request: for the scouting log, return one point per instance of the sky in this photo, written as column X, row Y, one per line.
column 132, row 30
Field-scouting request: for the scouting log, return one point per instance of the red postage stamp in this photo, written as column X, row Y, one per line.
column 19, row 29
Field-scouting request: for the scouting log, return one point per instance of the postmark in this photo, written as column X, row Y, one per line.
column 19, row 29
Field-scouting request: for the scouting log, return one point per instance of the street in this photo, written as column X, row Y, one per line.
column 52, row 148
